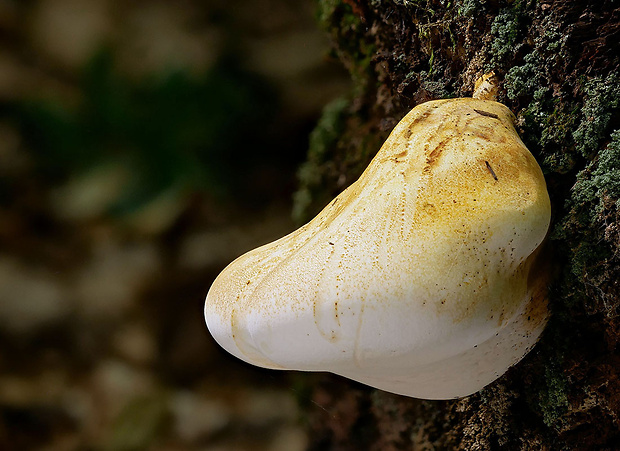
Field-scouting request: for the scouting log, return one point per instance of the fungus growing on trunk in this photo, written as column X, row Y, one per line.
column 420, row 279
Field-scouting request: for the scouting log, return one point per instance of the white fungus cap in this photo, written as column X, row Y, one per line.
column 419, row 279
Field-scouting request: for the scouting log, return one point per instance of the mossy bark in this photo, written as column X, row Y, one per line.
column 559, row 62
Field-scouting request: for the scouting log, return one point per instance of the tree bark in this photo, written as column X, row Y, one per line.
column 559, row 65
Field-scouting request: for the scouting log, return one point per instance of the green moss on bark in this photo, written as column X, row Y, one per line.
column 323, row 139
column 354, row 48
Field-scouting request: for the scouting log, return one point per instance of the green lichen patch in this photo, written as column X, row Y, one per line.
column 602, row 100
column 589, row 232
column 468, row 8
column 553, row 402
column 548, row 114
column 599, row 181
column 505, row 30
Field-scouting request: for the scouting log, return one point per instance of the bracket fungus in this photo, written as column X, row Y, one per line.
column 422, row 278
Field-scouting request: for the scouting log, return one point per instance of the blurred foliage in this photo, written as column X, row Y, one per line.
column 173, row 131
column 138, row 424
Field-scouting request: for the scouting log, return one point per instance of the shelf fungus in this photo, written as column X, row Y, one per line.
column 422, row 278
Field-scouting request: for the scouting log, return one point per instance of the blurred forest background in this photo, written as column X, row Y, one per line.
column 143, row 146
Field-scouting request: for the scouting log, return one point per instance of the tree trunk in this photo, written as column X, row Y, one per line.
column 559, row 65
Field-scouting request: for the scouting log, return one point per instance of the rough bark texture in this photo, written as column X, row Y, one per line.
column 559, row 62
